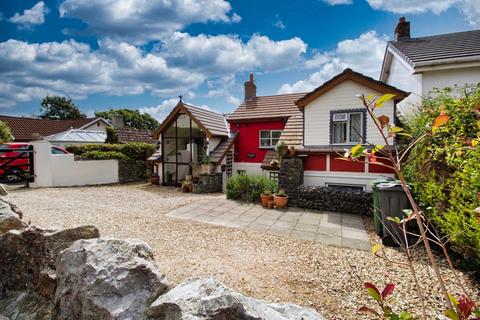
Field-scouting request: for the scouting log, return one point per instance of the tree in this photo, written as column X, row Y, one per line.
column 5, row 134
column 132, row 118
column 112, row 136
column 60, row 108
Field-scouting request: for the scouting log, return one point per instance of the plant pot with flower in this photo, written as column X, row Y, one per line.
column 266, row 197
column 280, row 199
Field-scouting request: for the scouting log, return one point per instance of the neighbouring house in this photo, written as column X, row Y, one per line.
column 319, row 124
column 259, row 123
column 419, row 65
column 189, row 137
column 25, row 129
column 127, row 134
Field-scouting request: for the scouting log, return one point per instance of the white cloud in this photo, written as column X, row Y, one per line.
column 31, row 17
column 161, row 111
column 141, row 21
column 29, row 71
column 278, row 23
column 225, row 54
column 469, row 8
column 336, row 2
column 363, row 54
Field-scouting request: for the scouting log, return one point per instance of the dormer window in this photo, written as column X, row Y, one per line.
column 347, row 127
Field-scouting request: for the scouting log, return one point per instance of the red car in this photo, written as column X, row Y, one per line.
column 15, row 169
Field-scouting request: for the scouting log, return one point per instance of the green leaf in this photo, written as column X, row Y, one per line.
column 405, row 315
column 453, row 299
column 377, row 148
column 476, row 312
column 394, row 219
column 357, row 151
column 374, row 294
column 395, row 129
column 381, row 101
column 451, row 314
column 408, row 135
column 407, row 212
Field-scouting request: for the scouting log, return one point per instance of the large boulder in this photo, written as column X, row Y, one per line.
column 107, row 279
column 29, row 255
column 9, row 219
column 26, row 306
column 207, row 298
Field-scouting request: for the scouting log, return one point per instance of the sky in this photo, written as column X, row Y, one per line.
column 143, row 54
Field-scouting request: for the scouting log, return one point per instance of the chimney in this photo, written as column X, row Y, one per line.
column 250, row 88
column 402, row 30
column 117, row 121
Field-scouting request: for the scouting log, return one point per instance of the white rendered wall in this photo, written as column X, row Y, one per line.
column 250, row 168
column 343, row 96
column 449, row 78
column 322, row 178
column 97, row 126
column 61, row 170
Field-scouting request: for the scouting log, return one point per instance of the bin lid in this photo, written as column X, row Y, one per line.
column 392, row 185
column 381, row 180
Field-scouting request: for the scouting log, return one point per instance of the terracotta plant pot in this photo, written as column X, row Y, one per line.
column 280, row 201
column 154, row 179
column 266, row 198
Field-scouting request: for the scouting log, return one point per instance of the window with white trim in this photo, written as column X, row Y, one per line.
column 347, row 127
column 269, row 138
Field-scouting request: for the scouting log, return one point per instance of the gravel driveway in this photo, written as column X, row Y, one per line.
column 262, row 265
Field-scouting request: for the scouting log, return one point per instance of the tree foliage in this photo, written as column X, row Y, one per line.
column 444, row 168
column 112, row 136
column 5, row 134
column 132, row 118
column 60, row 108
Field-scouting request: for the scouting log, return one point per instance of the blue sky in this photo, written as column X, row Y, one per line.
column 143, row 54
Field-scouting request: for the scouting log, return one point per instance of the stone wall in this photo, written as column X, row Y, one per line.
column 334, row 199
column 209, row 183
column 290, row 178
column 132, row 170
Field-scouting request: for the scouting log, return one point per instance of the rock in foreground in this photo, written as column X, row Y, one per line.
column 206, row 298
column 107, row 279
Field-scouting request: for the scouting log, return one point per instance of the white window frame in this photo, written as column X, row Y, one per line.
column 271, row 145
column 348, row 142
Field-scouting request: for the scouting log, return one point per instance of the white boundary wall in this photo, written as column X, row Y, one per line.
column 61, row 170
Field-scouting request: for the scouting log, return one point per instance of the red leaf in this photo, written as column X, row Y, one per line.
column 368, row 310
column 383, row 120
column 388, row 290
column 440, row 121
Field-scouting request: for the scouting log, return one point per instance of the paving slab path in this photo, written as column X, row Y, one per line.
column 333, row 228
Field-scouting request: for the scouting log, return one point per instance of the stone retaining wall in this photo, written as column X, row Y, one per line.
column 209, row 183
column 290, row 178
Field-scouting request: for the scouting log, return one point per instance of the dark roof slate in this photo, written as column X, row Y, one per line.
column 433, row 49
column 126, row 135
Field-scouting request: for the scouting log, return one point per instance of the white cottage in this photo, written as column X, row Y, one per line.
column 419, row 65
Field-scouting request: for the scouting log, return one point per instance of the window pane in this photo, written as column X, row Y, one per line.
column 265, row 142
column 183, row 171
column 274, row 142
column 339, row 132
column 169, row 149
column 265, row 134
column 170, row 172
column 356, row 127
column 183, row 125
column 276, row 134
column 170, row 132
column 183, row 145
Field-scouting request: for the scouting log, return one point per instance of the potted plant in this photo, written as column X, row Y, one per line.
column 266, row 197
column 154, row 178
column 186, row 186
column 206, row 167
column 280, row 199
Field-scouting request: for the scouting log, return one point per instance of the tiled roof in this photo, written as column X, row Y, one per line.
column 220, row 151
column 292, row 134
column 212, row 121
column 24, row 129
column 264, row 107
column 134, row 135
column 78, row 135
column 438, row 49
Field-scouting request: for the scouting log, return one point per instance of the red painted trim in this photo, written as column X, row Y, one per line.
column 375, row 168
column 248, row 139
column 315, row 162
column 346, row 166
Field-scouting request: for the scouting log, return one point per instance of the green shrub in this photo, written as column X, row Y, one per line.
column 248, row 187
column 444, row 168
column 103, row 155
column 112, row 135
column 133, row 150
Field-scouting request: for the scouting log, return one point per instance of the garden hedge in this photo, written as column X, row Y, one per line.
column 133, row 150
column 444, row 168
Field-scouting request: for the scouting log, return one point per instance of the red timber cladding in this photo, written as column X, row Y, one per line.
column 375, row 168
column 315, row 162
column 247, row 144
column 346, row 165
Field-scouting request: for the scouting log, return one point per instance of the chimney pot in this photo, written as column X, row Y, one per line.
column 250, row 88
column 402, row 30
